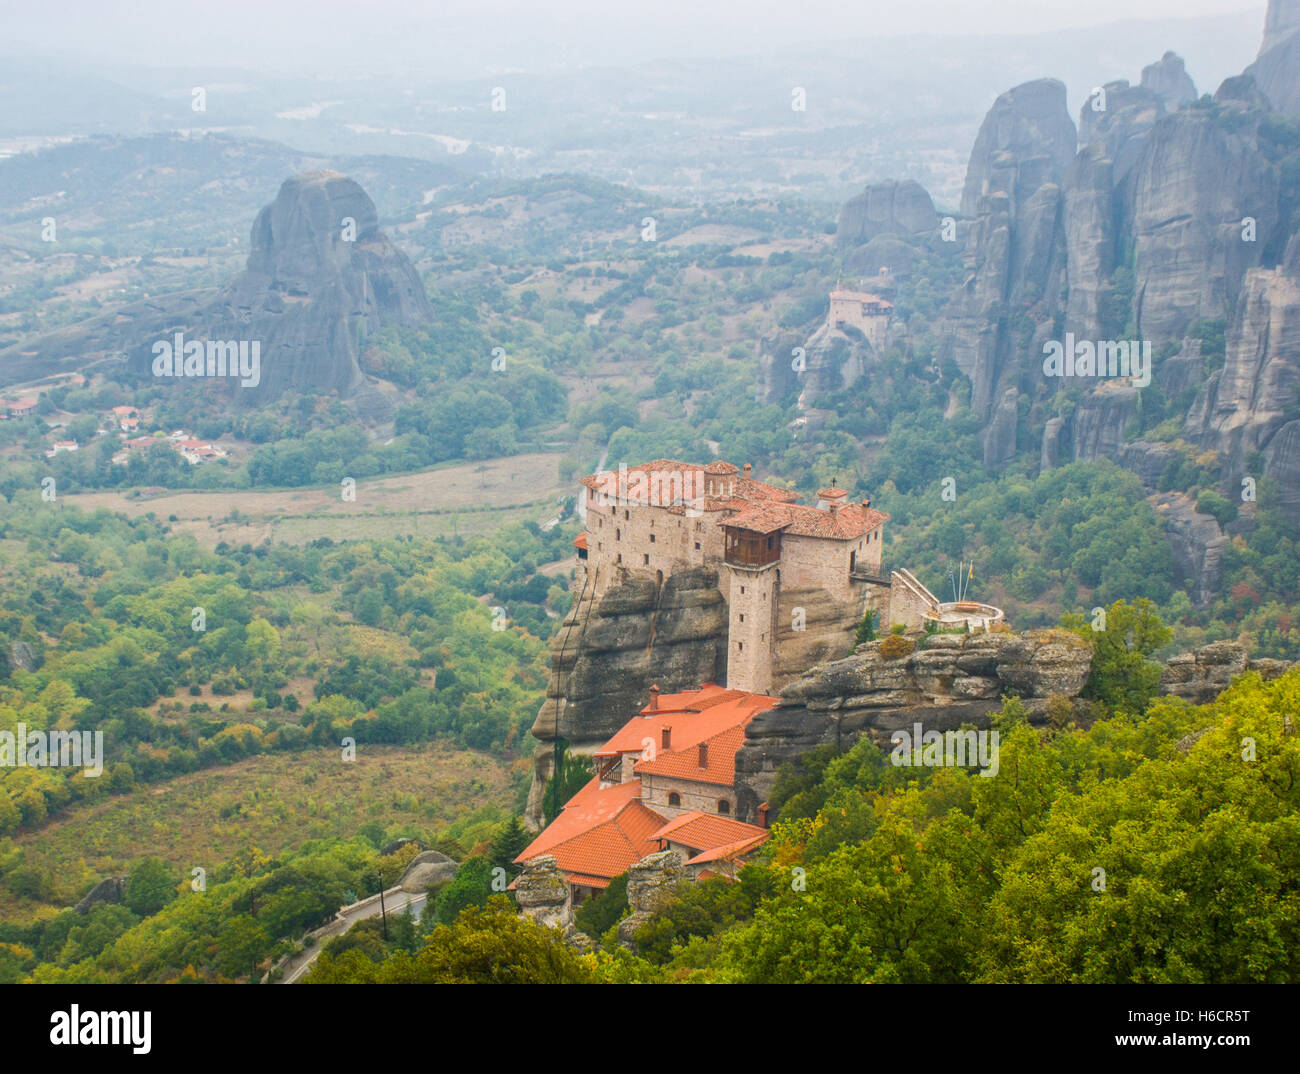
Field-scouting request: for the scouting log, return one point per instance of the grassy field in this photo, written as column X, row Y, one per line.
column 273, row 802
column 463, row 498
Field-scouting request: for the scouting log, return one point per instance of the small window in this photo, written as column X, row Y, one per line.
column 697, row 546
column 627, row 514
column 740, row 646
column 618, row 535
column 646, row 556
column 742, row 590
column 652, row 538
column 724, row 807
column 674, row 799
column 742, row 617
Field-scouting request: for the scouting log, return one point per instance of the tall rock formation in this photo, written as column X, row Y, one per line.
column 1280, row 21
column 1169, row 80
column 1277, row 70
column 1015, row 252
column 321, row 276
column 608, row 653
column 1200, row 176
column 878, row 227
column 1249, row 410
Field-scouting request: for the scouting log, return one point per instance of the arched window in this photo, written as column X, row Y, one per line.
column 674, row 799
column 724, row 807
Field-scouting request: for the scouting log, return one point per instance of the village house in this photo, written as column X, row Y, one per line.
column 60, row 446
column 19, row 408
column 665, row 781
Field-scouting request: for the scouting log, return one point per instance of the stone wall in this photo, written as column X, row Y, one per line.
column 655, row 789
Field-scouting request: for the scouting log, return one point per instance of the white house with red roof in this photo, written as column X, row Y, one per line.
column 665, row 781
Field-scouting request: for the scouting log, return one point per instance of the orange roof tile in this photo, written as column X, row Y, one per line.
column 700, row 831
column 600, row 832
column 580, row 541
column 728, row 851
column 850, row 521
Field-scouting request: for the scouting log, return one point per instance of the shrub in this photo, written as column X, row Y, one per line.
column 895, row 646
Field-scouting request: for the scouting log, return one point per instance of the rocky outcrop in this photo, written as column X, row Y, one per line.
column 1200, row 176
column 607, row 654
column 947, row 681
column 1101, row 421
column 1197, row 543
column 1200, row 676
column 315, row 286
column 1251, row 408
column 320, row 278
column 1277, row 70
column 542, row 893
column 1014, row 253
column 876, row 227
column 1169, row 80
column 427, row 869
column 651, row 885
column 111, row 890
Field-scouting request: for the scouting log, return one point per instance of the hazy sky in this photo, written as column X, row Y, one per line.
column 271, row 34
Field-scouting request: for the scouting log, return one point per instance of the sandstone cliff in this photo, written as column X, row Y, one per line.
column 1250, row 409
column 1277, row 70
column 1014, row 252
column 949, row 680
column 320, row 277
column 607, row 655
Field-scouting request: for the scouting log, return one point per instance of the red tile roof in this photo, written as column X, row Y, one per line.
column 600, row 832
column 728, row 851
column 706, row 834
column 580, row 541
column 712, row 714
column 850, row 521
column 746, row 489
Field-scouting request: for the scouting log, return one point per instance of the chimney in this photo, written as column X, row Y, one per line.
column 762, row 815
column 704, row 755
column 668, row 738
column 749, row 469
column 654, row 698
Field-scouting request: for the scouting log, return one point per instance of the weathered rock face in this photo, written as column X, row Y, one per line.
column 1197, row 542
column 1199, row 176
column 310, row 292
column 1280, row 21
column 953, row 679
column 1277, row 73
column 1014, row 253
column 1252, row 405
column 1277, row 70
column 1168, row 79
column 901, row 210
column 112, row 890
column 543, row 894
column 427, row 869
column 1101, row 421
column 320, row 277
column 607, row 655
column 1200, row 676
column 651, row 885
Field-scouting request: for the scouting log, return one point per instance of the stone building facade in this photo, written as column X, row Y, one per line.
column 796, row 579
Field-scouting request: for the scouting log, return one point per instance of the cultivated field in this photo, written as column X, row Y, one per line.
column 463, row 498
column 273, row 802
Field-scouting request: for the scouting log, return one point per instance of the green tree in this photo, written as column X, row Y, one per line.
column 150, row 886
